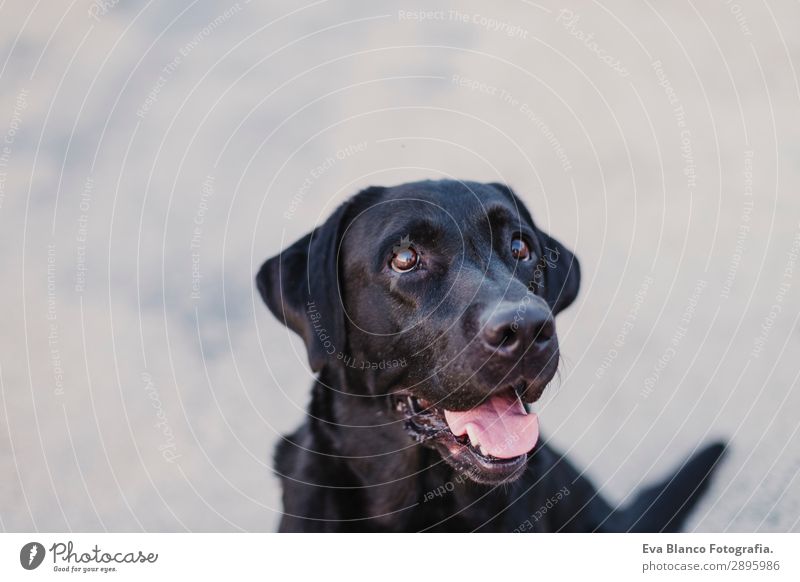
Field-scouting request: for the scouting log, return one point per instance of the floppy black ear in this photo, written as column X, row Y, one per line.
column 301, row 288
column 562, row 272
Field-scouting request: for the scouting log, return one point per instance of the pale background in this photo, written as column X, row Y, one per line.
column 262, row 94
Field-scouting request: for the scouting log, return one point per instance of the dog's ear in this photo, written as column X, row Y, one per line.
column 301, row 288
column 562, row 272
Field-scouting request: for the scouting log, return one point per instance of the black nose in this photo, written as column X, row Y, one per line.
column 512, row 330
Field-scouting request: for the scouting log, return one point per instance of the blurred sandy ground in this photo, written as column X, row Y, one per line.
column 154, row 154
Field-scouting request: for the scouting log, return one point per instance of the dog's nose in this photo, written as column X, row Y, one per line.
column 513, row 330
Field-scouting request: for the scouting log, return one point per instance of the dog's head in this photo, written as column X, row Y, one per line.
column 437, row 299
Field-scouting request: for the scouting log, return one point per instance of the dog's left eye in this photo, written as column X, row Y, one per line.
column 520, row 249
column 405, row 260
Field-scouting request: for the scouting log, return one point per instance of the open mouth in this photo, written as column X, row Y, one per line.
column 489, row 443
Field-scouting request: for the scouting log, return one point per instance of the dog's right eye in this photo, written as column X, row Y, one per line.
column 520, row 249
column 405, row 260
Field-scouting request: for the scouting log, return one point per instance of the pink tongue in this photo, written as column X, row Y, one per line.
column 500, row 426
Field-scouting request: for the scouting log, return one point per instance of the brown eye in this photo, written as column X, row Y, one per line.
column 405, row 260
column 520, row 249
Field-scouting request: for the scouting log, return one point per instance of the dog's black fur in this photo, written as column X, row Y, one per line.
column 392, row 350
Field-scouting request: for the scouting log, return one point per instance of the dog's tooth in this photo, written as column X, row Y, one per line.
column 411, row 404
column 522, row 404
column 473, row 436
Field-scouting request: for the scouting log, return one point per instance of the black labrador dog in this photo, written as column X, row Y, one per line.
column 427, row 311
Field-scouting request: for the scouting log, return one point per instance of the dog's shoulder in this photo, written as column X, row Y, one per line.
column 299, row 466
